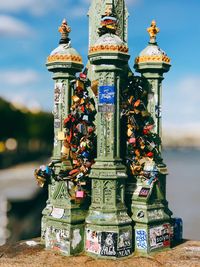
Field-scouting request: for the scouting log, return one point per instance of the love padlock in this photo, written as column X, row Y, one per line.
column 132, row 140
column 65, row 150
column 79, row 85
column 80, row 194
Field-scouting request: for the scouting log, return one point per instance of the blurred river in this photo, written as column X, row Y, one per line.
column 183, row 185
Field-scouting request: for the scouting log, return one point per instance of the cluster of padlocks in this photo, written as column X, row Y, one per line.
column 143, row 154
column 78, row 142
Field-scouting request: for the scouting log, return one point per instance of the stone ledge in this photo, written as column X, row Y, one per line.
column 32, row 254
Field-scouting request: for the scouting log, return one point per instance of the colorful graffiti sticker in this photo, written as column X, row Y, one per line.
column 141, row 239
column 93, row 241
column 124, row 244
column 144, row 192
column 108, row 244
column 160, row 236
column 106, row 94
column 58, row 93
column 57, row 239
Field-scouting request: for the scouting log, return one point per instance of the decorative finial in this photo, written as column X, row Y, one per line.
column 153, row 30
column 108, row 21
column 64, row 29
column 108, row 11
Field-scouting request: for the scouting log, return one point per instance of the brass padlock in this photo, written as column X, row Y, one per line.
column 94, row 87
column 61, row 136
column 75, row 98
column 65, row 150
column 79, row 85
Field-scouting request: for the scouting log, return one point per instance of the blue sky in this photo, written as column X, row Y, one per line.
column 28, row 31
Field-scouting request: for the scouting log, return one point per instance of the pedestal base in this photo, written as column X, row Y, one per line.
column 68, row 239
column 63, row 221
column 152, row 238
column 108, row 241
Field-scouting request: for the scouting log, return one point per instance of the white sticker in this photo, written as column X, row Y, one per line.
column 76, row 238
column 57, row 213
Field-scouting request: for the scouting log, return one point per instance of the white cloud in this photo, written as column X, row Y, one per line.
column 36, row 7
column 78, row 11
column 18, row 78
column 128, row 2
column 181, row 102
column 42, row 7
column 10, row 26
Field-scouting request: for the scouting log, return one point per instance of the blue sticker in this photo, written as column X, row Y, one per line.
column 106, row 94
column 141, row 238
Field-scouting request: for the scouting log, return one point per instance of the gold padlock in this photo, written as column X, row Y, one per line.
column 61, row 136
column 79, row 85
column 75, row 98
column 65, row 150
column 92, row 107
column 94, row 87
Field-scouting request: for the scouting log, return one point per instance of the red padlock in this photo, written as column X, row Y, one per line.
column 83, row 76
column 150, row 154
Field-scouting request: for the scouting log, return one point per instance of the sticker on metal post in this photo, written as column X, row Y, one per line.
column 57, row 213
column 108, row 244
column 160, row 236
column 107, row 94
column 93, row 241
column 106, row 108
column 124, row 244
column 141, row 239
column 144, row 192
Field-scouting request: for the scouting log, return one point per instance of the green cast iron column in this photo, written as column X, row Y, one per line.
column 108, row 227
column 96, row 10
column 63, row 219
column 150, row 210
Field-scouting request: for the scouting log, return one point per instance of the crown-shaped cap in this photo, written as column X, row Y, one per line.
column 64, row 52
column 152, row 53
